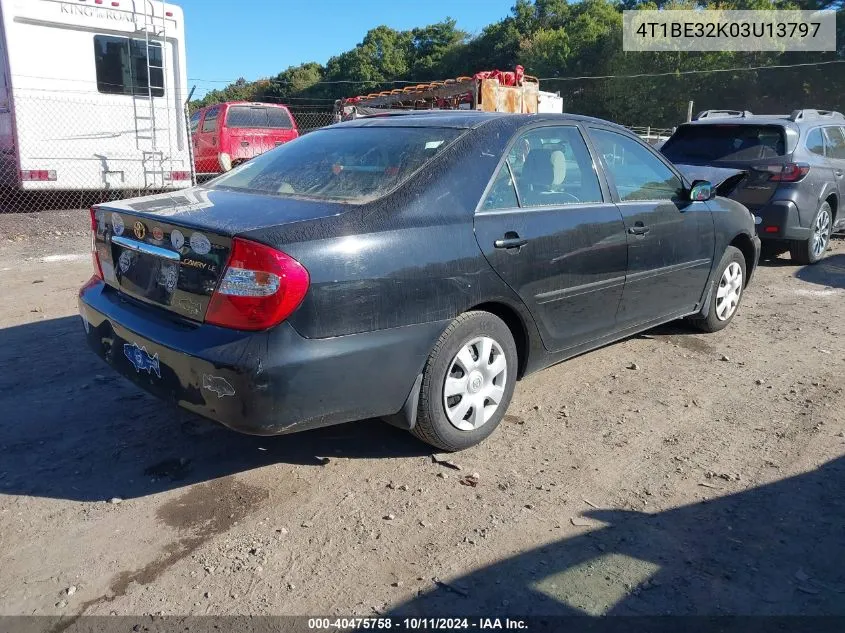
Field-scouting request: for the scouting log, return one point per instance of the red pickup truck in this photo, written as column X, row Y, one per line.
column 226, row 134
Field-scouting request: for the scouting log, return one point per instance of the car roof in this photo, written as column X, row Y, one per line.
column 754, row 119
column 246, row 103
column 462, row 119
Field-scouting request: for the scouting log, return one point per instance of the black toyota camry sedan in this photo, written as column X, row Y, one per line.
column 411, row 267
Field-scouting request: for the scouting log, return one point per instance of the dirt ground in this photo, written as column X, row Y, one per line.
column 709, row 480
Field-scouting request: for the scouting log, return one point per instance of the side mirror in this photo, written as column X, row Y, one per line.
column 701, row 190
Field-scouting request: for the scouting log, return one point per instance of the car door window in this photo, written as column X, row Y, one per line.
column 502, row 194
column 815, row 142
column 835, row 142
column 552, row 166
column 637, row 173
column 210, row 122
column 195, row 121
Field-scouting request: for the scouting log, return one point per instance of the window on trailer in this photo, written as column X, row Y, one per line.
column 258, row 117
column 122, row 63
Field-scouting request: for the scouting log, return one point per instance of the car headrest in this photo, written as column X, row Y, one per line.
column 538, row 168
column 558, row 167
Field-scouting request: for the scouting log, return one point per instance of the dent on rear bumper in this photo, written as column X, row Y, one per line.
column 263, row 383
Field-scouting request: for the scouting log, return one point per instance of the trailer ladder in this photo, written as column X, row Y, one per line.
column 156, row 152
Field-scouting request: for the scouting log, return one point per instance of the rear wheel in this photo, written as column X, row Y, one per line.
column 812, row 249
column 725, row 293
column 468, row 382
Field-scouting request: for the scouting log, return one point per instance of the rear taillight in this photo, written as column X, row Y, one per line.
column 39, row 175
column 98, row 269
column 787, row 172
column 261, row 287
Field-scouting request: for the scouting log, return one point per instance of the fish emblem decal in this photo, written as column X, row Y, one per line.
column 141, row 359
column 218, row 385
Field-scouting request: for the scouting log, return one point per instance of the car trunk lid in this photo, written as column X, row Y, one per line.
column 247, row 143
column 256, row 128
column 171, row 250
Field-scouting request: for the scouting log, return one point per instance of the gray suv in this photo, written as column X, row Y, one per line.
column 794, row 166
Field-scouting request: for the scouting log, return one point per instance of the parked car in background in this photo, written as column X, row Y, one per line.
column 407, row 266
column 228, row 134
column 794, row 168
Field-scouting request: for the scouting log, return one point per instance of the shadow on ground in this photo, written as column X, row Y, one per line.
column 773, row 550
column 830, row 272
column 74, row 429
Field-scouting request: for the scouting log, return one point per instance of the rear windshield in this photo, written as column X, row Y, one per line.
column 258, row 117
column 697, row 143
column 353, row 164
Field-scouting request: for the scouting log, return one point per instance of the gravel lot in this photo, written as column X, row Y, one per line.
column 709, row 480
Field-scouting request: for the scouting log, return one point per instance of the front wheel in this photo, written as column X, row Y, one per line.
column 812, row 249
column 725, row 293
column 468, row 382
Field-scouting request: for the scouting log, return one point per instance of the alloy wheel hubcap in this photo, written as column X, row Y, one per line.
column 821, row 233
column 730, row 288
column 475, row 383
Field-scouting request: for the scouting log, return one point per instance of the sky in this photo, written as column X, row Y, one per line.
column 227, row 39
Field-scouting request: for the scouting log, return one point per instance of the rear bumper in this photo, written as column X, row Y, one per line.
column 262, row 383
column 780, row 221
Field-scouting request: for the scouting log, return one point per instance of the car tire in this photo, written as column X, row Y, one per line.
column 458, row 356
column 812, row 250
column 725, row 293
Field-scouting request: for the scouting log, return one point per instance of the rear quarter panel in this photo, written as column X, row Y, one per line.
column 808, row 194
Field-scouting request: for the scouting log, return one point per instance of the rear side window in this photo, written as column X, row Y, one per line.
column 258, row 117
column 835, row 142
column 121, row 66
column 209, row 124
column 354, row 164
column 502, row 194
column 195, row 121
column 706, row 143
column 815, row 142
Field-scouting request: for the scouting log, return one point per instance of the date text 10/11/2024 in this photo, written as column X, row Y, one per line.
column 431, row 624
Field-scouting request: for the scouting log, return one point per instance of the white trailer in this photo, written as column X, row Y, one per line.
column 549, row 102
column 92, row 95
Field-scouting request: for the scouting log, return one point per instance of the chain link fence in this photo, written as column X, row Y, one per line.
column 310, row 120
column 65, row 151
column 69, row 150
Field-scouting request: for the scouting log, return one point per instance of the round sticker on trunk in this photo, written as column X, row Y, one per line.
column 117, row 223
column 177, row 239
column 125, row 261
column 158, row 234
column 200, row 243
